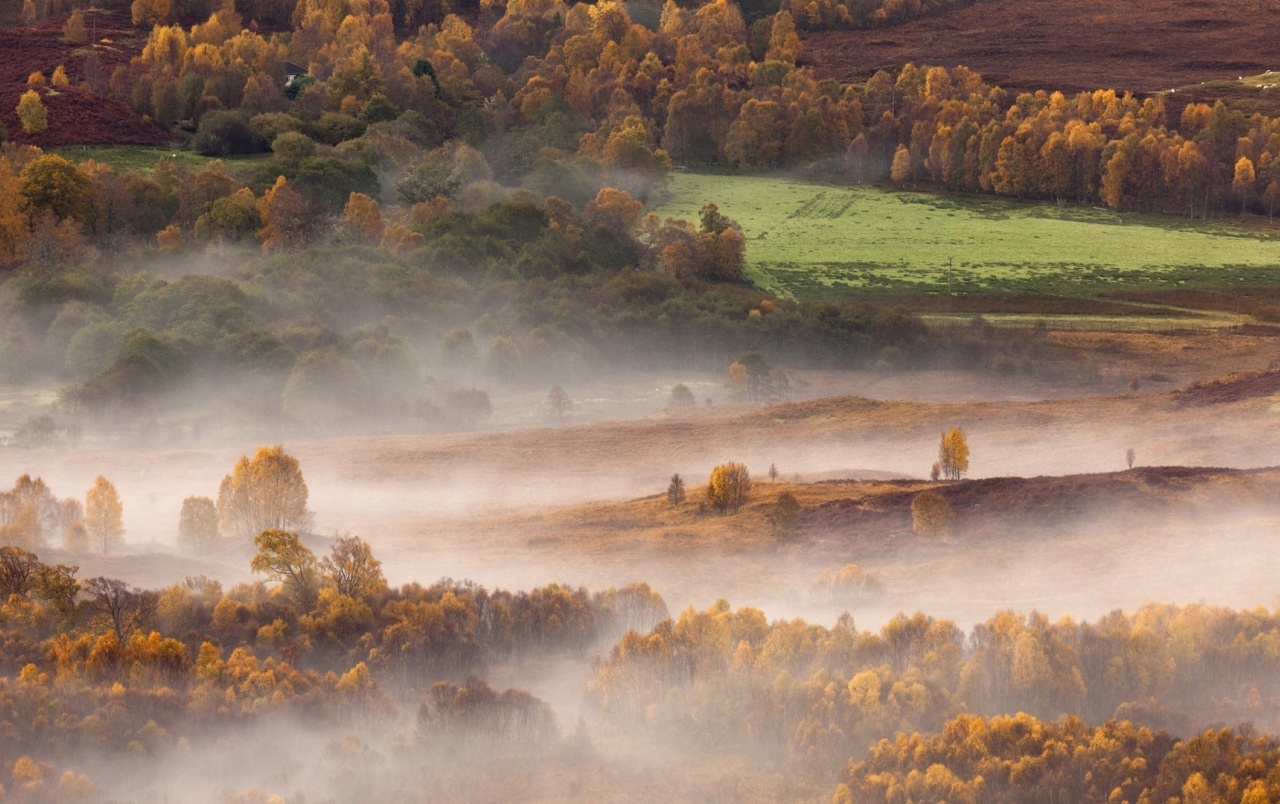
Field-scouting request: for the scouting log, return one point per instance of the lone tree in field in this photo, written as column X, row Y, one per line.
column 284, row 557
column 559, row 403
column 198, row 523
column 953, row 454
column 1129, row 455
column 103, row 515
column 675, row 490
column 729, row 487
column 785, row 516
column 31, row 112
column 931, row 514
column 263, row 493
column 773, row 473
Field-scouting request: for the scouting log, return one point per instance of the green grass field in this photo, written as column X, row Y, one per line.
column 818, row 241
column 144, row 158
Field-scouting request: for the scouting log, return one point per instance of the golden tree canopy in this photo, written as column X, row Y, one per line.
column 263, row 493
column 953, row 454
column 104, row 515
column 729, row 487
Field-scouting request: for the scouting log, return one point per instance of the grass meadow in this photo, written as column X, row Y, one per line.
column 144, row 158
column 809, row 240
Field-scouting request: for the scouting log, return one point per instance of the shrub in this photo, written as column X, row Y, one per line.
column 293, row 146
column 271, row 125
column 333, row 128
column 379, row 110
column 224, row 133
column 31, row 112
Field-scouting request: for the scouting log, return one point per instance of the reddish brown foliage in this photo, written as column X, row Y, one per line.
column 1232, row 388
column 1025, row 45
column 76, row 116
column 992, row 507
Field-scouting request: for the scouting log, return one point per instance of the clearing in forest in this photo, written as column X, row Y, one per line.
column 809, row 240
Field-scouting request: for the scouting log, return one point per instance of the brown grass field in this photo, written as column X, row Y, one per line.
column 1025, row 45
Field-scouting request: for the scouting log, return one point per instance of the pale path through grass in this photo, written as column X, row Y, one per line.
column 808, row 240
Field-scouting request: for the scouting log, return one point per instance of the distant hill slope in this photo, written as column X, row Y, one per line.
column 77, row 116
column 1023, row 45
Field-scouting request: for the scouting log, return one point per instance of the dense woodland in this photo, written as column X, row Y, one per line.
column 453, row 196
column 451, row 199
column 97, row 664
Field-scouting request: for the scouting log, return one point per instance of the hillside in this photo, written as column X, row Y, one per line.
column 1025, row 45
column 77, row 114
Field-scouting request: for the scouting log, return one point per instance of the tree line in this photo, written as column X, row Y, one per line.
column 809, row 698
column 330, row 642
column 1020, row 758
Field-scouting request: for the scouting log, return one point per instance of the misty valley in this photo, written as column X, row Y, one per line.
column 647, row 401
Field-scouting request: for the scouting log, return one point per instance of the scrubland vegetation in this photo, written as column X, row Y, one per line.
column 351, row 226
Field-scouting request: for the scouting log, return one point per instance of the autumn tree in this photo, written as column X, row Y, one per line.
column 19, row 571
column 232, row 218
column 53, row 184
column 31, row 112
column 265, row 492
column 930, row 514
column 1243, row 182
column 60, row 78
column 14, row 225
column 57, row 584
column 614, row 209
column 122, row 607
column 74, row 31
column 149, row 13
column 284, row 217
column 103, row 515
column 953, row 454
column 900, row 170
column 729, row 487
column 198, row 523
column 675, row 491
column 285, row 558
column 363, row 218
column 353, row 570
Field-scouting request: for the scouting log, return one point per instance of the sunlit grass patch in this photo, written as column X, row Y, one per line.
column 818, row 241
